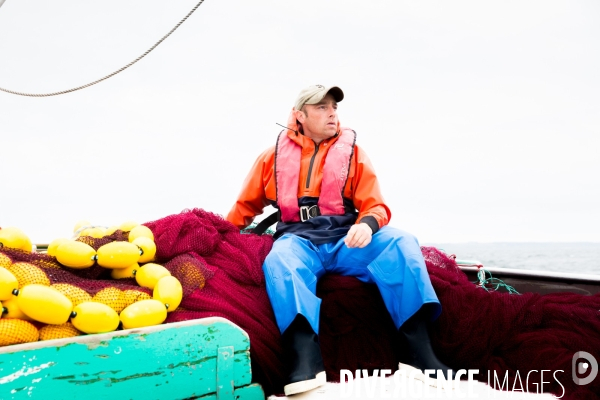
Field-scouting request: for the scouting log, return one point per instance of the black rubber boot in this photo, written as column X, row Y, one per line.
column 303, row 355
column 421, row 355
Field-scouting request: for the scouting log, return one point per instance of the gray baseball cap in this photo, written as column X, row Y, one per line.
column 315, row 93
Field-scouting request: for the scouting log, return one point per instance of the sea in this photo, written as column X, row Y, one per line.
column 581, row 258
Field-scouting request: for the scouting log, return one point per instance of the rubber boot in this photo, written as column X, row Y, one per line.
column 421, row 355
column 303, row 354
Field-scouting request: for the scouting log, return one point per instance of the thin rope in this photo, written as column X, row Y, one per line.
column 112, row 74
column 492, row 284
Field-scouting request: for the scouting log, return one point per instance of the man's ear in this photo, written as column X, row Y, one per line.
column 300, row 116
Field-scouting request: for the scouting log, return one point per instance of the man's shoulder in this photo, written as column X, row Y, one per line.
column 267, row 154
column 360, row 154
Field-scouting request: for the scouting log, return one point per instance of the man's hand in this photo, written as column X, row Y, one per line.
column 359, row 236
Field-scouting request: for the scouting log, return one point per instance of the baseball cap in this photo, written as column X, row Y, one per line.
column 315, row 93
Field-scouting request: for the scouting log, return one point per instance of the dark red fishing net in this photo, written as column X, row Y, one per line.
column 235, row 291
column 516, row 333
column 221, row 272
column 477, row 329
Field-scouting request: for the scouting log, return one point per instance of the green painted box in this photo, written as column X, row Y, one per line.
column 199, row 359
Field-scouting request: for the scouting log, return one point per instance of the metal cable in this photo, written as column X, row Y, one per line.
column 112, row 74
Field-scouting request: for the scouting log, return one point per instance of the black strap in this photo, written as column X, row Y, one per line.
column 266, row 223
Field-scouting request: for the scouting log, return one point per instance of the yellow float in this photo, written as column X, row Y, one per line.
column 51, row 251
column 15, row 238
column 44, row 304
column 140, row 231
column 148, row 248
column 118, row 255
column 10, row 309
column 149, row 274
column 168, row 291
column 128, row 226
column 124, row 273
column 74, row 254
column 8, row 283
column 143, row 313
column 92, row 317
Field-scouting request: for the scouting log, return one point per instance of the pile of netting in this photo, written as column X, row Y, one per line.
column 489, row 331
column 220, row 270
column 513, row 335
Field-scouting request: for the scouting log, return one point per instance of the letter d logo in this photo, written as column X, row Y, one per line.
column 582, row 368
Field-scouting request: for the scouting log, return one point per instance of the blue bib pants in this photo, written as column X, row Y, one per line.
column 393, row 261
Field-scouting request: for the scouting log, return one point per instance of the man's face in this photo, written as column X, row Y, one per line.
column 320, row 120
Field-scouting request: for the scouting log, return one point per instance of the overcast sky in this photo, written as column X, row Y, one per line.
column 482, row 118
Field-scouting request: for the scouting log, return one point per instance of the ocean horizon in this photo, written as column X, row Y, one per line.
column 572, row 257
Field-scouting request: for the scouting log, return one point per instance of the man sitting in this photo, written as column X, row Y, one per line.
column 331, row 219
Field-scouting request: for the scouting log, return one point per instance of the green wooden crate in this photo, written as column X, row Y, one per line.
column 206, row 358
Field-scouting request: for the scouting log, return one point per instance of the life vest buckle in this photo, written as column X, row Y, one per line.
column 308, row 212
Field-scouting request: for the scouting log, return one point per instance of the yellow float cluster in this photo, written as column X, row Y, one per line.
column 27, row 296
column 114, row 255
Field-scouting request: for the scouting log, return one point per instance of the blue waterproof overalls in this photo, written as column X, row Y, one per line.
column 393, row 261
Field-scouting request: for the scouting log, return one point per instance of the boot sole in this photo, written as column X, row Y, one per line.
column 305, row 386
column 418, row 374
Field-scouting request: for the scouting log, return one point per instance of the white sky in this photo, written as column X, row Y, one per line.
column 482, row 118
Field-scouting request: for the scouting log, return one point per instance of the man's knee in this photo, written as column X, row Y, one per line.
column 292, row 255
column 389, row 234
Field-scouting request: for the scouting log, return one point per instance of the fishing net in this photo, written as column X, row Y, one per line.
column 514, row 334
column 235, row 291
column 221, row 272
column 506, row 334
column 489, row 331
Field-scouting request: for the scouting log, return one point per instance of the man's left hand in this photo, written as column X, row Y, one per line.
column 359, row 236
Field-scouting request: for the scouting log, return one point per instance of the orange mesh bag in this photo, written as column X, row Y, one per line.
column 62, row 331
column 133, row 295
column 5, row 261
column 27, row 273
column 73, row 293
column 112, row 297
column 15, row 331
